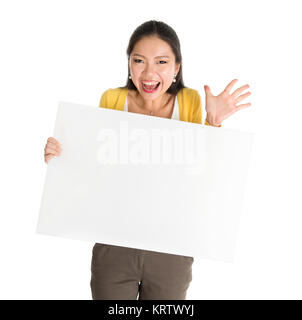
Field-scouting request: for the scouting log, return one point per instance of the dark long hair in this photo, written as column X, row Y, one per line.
column 165, row 33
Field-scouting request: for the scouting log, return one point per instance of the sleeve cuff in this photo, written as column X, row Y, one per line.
column 208, row 124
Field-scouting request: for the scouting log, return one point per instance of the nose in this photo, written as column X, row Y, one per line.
column 149, row 70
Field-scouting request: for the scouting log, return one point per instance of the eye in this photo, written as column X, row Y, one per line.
column 137, row 60
column 162, row 61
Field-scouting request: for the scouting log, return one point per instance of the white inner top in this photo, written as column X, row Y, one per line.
column 175, row 114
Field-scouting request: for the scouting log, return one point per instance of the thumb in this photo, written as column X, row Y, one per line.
column 207, row 90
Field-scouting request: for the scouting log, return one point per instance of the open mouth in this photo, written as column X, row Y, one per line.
column 150, row 87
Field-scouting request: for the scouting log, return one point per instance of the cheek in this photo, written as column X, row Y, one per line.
column 135, row 68
column 167, row 75
column 136, row 71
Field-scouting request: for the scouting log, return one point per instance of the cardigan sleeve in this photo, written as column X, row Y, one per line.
column 104, row 100
column 197, row 108
column 208, row 124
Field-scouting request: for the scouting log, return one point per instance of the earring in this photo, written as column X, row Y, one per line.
column 130, row 77
column 174, row 80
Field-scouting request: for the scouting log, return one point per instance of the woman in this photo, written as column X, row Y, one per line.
column 154, row 87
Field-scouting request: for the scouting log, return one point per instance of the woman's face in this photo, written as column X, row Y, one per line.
column 152, row 67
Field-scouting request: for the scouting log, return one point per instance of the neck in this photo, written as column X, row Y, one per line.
column 156, row 104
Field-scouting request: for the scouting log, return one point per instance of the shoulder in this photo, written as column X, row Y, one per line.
column 111, row 97
column 113, row 93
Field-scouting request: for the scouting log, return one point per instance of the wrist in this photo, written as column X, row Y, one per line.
column 210, row 120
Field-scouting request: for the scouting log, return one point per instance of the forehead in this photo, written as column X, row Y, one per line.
column 152, row 46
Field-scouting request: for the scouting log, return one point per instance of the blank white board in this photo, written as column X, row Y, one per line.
column 145, row 182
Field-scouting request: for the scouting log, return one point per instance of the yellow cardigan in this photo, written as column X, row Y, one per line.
column 188, row 100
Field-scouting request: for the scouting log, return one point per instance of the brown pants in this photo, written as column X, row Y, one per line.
column 121, row 273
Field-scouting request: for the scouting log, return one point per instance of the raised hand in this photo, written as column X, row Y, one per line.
column 220, row 107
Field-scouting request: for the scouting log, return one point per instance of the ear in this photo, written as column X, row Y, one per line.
column 177, row 67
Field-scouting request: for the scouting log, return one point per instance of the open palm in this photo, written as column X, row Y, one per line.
column 220, row 107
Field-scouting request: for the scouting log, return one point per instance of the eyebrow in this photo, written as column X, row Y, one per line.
column 136, row 54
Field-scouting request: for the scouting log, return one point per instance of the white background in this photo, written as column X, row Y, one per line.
column 73, row 51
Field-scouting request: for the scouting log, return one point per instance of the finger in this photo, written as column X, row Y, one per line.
column 230, row 85
column 53, row 140
column 54, row 144
column 48, row 157
column 243, row 96
column 243, row 106
column 53, row 147
column 239, row 90
column 48, row 148
column 207, row 90
column 52, row 151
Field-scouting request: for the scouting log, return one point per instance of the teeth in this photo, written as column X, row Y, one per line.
column 150, row 83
